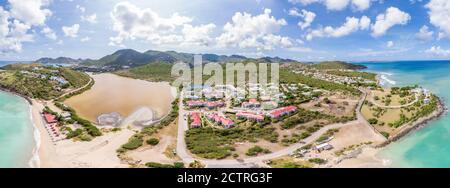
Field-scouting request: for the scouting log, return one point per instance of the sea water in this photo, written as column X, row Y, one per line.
column 430, row 146
column 16, row 132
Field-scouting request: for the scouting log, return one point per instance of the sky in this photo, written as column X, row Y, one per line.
column 305, row 30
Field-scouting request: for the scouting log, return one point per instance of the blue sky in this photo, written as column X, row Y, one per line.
column 306, row 30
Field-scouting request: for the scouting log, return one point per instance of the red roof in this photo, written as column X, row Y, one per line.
column 50, row 118
column 196, row 120
column 250, row 115
column 195, row 103
column 253, row 101
column 282, row 111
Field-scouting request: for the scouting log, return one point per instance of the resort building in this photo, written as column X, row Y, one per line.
column 196, row 120
column 277, row 113
column 250, row 116
column 50, row 118
column 252, row 103
column 195, row 104
column 215, row 104
column 221, row 120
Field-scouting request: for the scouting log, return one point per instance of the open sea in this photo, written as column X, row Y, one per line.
column 17, row 134
column 430, row 146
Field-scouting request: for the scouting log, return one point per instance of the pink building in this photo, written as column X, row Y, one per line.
column 250, row 116
column 196, row 121
column 252, row 103
column 225, row 122
column 277, row 113
column 195, row 104
column 215, row 104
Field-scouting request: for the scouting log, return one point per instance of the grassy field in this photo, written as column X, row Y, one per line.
column 152, row 72
column 289, row 162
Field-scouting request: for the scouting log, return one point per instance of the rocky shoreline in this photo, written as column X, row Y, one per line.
column 420, row 123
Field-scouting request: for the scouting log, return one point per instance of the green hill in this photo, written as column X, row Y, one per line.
column 333, row 65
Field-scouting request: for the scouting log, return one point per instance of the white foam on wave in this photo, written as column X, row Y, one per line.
column 384, row 79
column 35, row 160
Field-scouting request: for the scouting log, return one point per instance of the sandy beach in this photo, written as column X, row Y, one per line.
column 99, row 153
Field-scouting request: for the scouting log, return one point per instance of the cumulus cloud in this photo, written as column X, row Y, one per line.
column 85, row 39
column 71, row 31
column 438, row 51
column 308, row 18
column 424, row 34
column 337, row 5
column 439, row 13
column 49, row 33
column 361, row 4
column 351, row 25
column 91, row 18
column 12, row 33
column 390, row 44
column 199, row 35
column 393, row 16
column 30, row 12
column 247, row 31
column 132, row 22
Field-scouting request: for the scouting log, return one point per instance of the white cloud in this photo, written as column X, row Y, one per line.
column 199, row 35
column 351, row 25
column 85, row 39
column 361, row 4
column 71, row 31
column 247, row 31
column 303, row 2
column 12, row 33
column 439, row 13
column 31, row 12
column 337, row 5
column 393, row 16
column 132, row 22
column 308, row 18
column 49, row 33
column 81, row 8
column 390, row 44
column 424, row 34
column 438, row 51
column 91, row 18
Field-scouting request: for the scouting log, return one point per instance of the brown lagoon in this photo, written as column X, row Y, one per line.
column 112, row 93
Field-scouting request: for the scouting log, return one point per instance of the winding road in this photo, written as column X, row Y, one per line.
column 249, row 162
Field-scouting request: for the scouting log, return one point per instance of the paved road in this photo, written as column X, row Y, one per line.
column 249, row 162
column 73, row 91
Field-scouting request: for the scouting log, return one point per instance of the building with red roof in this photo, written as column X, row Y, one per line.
column 250, row 116
column 195, row 104
column 252, row 103
column 196, row 120
column 50, row 118
column 215, row 104
column 221, row 120
column 277, row 113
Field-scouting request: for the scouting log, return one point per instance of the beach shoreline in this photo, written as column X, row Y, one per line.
column 369, row 155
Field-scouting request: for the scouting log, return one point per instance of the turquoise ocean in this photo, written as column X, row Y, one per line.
column 17, row 134
column 429, row 146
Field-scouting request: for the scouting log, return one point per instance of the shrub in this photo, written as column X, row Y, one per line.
column 317, row 161
column 73, row 134
column 153, row 141
column 133, row 143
